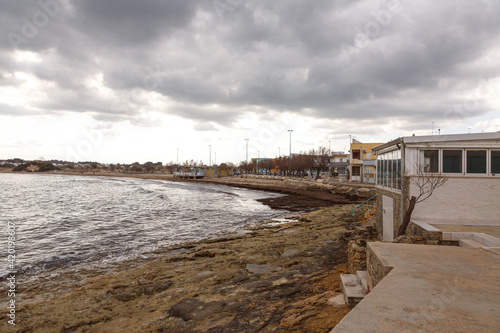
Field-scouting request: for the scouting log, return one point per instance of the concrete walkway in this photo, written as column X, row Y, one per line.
column 490, row 230
column 430, row 289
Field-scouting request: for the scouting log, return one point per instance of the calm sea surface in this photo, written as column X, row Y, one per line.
column 64, row 220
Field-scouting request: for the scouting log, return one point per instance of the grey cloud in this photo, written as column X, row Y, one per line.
column 420, row 63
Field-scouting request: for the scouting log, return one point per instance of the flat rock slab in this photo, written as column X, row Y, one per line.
column 337, row 301
column 289, row 252
column 262, row 269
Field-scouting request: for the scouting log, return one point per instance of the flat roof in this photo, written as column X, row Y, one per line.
column 440, row 138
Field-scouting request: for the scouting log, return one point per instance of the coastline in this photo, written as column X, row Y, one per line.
column 295, row 199
column 272, row 277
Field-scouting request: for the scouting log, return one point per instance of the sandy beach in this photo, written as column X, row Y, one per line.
column 275, row 276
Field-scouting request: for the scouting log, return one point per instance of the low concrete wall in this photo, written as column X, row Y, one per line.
column 356, row 256
column 426, row 232
column 376, row 267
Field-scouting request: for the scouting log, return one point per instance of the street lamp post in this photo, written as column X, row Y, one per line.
column 246, row 166
column 177, row 156
column 290, row 161
column 215, row 158
column 210, row 156
column 247, row 150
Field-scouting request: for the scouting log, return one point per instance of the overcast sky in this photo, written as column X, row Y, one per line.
column 126, row 80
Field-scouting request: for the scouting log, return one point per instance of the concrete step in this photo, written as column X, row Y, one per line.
column 470, row 244
column 495, row 250
column 487, row 240
column 361, row 275
column 352, row 289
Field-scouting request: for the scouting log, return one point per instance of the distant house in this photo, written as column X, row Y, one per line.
column 339, row 163
column 217, row 171
column 471, row 195
column 362, row 162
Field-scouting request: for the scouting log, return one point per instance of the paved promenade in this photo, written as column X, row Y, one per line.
column 430, row 289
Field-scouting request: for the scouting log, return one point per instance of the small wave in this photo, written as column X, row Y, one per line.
column 85, row 221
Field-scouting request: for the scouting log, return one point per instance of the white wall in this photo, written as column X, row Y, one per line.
column 462, row 200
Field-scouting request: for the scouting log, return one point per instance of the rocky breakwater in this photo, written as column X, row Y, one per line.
column 277, row 276
column 300, row 194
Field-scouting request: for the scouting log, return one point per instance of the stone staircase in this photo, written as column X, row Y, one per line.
column 479, row 241
column 354, row 287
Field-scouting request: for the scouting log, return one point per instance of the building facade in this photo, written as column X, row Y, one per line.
column 471, row 164
column 362, row 163
column 339, row 163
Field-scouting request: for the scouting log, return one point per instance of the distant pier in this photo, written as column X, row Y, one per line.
column 193, row 174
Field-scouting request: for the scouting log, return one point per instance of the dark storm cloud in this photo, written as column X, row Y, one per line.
column 335, row 59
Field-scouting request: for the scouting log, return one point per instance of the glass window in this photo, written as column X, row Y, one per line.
column 495, row 161
column 429, row 160
column 378, row 171
column 385, row 171
column 452, row 161
column 394, row 172
column 476, row 161
column 389, row 170
column 398, row 185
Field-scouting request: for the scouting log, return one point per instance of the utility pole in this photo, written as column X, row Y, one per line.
column 290, row 161
column 215, row 158
column 279, row 152
column 246, row 167
column 177, row 156
column 210, row 156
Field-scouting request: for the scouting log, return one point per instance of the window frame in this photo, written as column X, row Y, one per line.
column 490, row 163
column 421, row 154
column 466, row 165
column 463, row 165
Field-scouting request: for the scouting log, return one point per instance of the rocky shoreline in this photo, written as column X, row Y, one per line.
column 276, row 276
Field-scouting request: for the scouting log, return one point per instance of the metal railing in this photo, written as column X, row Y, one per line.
column 365, row 206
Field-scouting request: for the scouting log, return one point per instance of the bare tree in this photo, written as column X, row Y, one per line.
column 302, row 162
column 283, row 164
column 320, row 159
column 225, row 169
column 149, row 166
column 426, row 182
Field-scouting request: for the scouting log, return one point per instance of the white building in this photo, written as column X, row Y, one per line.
column 470, row 197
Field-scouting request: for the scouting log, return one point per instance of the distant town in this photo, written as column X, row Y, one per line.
column 316, row 162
